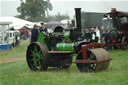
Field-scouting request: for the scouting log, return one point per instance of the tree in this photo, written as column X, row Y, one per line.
column 34, row 10
column 60, row 17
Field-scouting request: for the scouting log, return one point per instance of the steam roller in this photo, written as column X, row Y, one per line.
column 57, row 50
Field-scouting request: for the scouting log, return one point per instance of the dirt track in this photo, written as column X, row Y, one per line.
column 11, row 59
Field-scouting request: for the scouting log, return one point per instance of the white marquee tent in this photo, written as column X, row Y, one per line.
column 16, row 22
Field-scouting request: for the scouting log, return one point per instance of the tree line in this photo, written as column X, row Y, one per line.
column 37, row 10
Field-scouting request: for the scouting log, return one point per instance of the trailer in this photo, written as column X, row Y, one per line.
column 4, row 37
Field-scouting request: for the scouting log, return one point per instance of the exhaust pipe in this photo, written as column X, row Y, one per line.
column 78, row 19
column 114, row 18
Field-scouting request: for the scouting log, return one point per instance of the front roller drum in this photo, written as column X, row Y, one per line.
column 97, row 60
column 37, row 56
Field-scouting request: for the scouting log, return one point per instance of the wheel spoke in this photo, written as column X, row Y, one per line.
column 36, row 58
column 33, row 53
column 36, row 49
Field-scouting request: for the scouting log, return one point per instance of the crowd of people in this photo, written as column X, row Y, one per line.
column 35, row 31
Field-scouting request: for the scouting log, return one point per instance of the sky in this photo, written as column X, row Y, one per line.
column 8, row 7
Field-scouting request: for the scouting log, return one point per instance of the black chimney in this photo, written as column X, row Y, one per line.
column 114, row 18
column 78, row 19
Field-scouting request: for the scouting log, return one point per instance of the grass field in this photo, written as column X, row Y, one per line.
column 18, row 73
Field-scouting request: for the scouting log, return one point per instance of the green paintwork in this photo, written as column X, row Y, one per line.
column 61, row 46
column 36, row 57
column 41, row 38
column 65, row 46
column 66, row 36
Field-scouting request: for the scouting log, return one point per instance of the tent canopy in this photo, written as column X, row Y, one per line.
column 16, row 22
column 119, row 13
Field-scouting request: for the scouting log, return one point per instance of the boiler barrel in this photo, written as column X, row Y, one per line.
column 65, row 46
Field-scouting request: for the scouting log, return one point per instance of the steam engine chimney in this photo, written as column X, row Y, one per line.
column 78, row 19
column 114, row 18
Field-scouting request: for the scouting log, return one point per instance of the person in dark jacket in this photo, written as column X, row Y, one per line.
column 43, row 28
column 34, row 33
column 73, row 34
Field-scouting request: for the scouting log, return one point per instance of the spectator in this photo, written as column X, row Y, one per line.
column 43, row 28
column 25, row 34
column 102, row 33
column 34, row 33
column 73, row 34
column 17, row 38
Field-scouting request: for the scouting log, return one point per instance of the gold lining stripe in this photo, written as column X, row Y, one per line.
column 61, row 51
column 63, row 46
column 72, row 46
column 57, row 45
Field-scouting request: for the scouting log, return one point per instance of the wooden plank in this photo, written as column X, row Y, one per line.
column 60, row 51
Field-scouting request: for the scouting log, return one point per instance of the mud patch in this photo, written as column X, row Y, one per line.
column 11, row 59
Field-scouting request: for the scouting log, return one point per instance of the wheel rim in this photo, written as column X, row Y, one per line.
column 35, row 57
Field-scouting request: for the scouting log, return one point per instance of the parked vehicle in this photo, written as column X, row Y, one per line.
column 5, row 43
column 116, row 29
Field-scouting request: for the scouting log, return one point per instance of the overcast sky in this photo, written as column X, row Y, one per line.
column 8, row 7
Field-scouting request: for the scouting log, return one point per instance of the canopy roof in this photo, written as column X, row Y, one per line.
column 119, row 13
column 16, row 22
column 5, row 23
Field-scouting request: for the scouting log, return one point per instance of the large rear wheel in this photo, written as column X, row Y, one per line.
column 37, row 56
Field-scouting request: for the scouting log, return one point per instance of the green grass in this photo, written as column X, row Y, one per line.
column 18, row 73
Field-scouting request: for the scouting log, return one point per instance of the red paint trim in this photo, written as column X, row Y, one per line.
column 117, row 44
column 113, row 41
column 90, row 61
column 85, row 47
